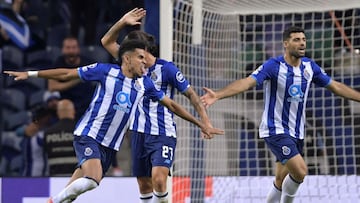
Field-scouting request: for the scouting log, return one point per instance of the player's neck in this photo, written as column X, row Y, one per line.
column 293, row 61
column 127, row 72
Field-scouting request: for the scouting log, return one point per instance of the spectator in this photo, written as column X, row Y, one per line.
column 58, row 141
column 33, row 151
column 16, row 27
column 80, row 93
column 51, row 100
column 84, row 12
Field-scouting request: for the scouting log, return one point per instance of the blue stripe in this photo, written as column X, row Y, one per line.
column 95, row 110
column 161, row 119
column 301, row 104
column 146, row 109
column 271, row 105
column 136, row 119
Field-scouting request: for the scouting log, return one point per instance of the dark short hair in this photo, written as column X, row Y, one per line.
column 293, row 29
column 131, row 45
column 140, row 35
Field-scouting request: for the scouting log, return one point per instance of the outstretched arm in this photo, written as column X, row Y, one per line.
column 198, row 106
column 180, row 111
column 343, row 90
column 109, row 40
column 56, row 74
column 232, row 89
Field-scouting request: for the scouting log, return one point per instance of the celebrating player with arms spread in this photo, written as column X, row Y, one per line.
column 286, row 80
column 100, row 131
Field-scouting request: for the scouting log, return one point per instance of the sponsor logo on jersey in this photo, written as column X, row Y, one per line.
column 124, row 103
column 296, row 93
column 86, row 68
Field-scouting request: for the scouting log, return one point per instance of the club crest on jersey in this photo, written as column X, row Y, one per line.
column 296, row 93
column 153, row 76
column 180, row 77
column 86, row 68
column 286, row 150
column 88, row 151
column 137, row 85
column 306, row 74
column 123, row 102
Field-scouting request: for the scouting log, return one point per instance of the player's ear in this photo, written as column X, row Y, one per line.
column 126, row 58
column 285, row 43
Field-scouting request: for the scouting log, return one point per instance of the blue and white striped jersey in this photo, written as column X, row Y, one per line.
column 286, row 89
column 152, row 117
column 114, row 103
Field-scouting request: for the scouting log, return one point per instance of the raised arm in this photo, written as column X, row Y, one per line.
column 109, row 40
column 232, row 89
column 343, row 90
column 64, row 74
column 184, row 114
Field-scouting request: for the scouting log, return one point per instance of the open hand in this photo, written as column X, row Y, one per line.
column 209, row 97
column 134, row 16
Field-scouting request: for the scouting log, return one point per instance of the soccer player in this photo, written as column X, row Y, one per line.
column 153, row 132
column 286, row 80
column 99, row 132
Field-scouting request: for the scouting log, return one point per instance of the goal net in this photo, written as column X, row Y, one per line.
column 218, row 41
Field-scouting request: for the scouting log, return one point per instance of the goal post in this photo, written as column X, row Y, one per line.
column 227, row 42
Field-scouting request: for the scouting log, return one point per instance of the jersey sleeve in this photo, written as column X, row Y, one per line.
column 176, row 77
column 320, row 77
column 263, row 72
column 92, row 72
column 151, row 91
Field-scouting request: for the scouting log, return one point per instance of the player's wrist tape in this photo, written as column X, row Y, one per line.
column 33, row 74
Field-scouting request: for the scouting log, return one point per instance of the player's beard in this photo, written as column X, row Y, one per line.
column 296, row 54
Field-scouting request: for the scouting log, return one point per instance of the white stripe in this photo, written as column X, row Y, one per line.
column 263, row 128
column 154, row 105
column 154, row 118
column 141, row 118
column 280, row 95
column 294, row 106
column 309, row 70
column 86, row 117
column 169, row 121
column 104, row 108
